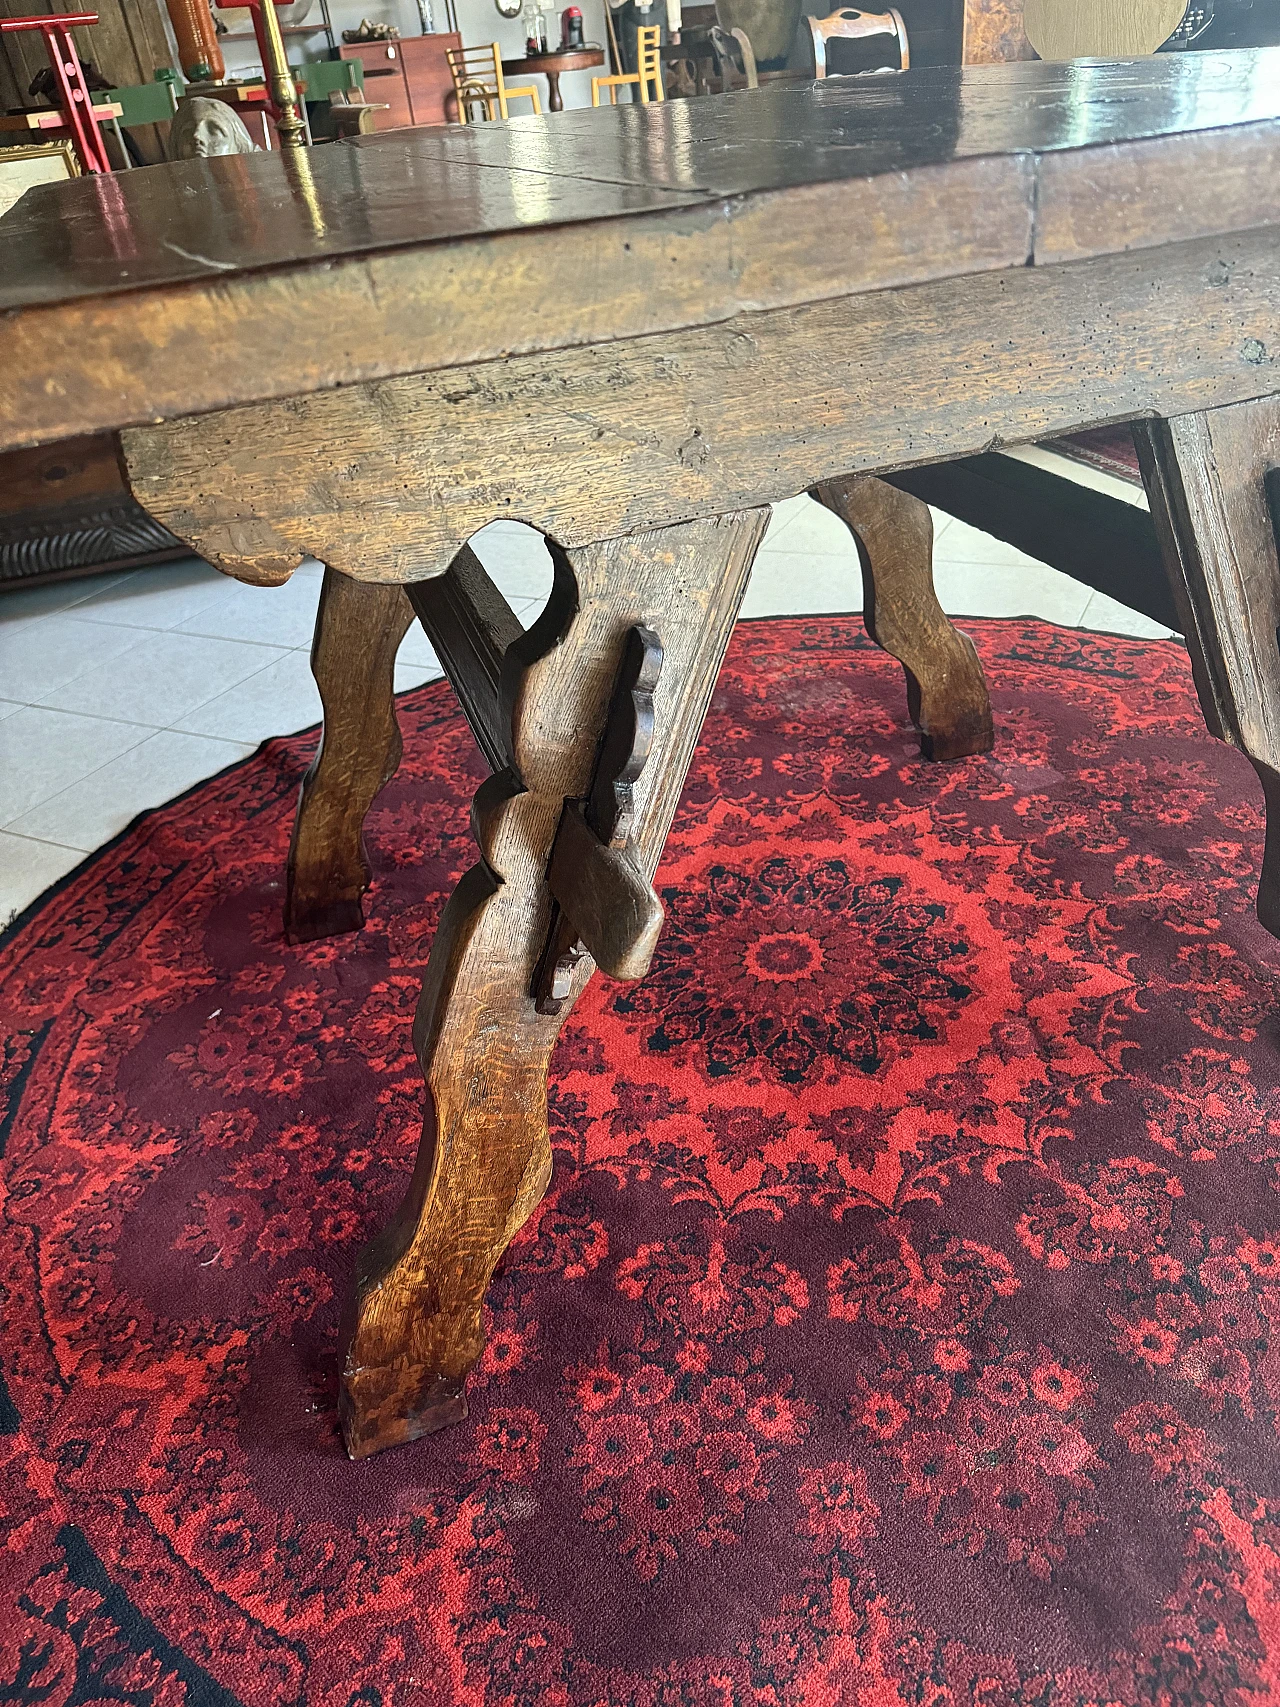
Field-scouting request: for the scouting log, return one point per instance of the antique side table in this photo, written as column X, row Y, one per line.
column 632, row 328
column 553, row 66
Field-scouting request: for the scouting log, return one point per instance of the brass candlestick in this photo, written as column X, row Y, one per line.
column 284, row 91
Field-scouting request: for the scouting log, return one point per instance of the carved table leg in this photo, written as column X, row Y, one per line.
column 946, row 690
column 413, row 1328
column 359, row 626
column 1207, row 479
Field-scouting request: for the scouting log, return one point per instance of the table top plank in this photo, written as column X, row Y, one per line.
column 205, row 283
column 846, row 127
column 418, row 187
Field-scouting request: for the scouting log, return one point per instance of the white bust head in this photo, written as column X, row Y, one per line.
column 202, row 127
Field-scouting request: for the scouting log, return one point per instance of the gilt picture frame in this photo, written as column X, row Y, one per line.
column 28, row 164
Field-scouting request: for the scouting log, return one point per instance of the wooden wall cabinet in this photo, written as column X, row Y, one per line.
column 411, row 76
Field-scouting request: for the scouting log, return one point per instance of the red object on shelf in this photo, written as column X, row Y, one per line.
column 571, row 28
column 75, row 105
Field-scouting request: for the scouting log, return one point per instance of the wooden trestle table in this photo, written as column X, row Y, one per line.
column 632, row 328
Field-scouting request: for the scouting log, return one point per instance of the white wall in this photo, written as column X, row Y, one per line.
column 479, row 21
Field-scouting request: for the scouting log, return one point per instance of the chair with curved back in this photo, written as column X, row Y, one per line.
column 648, row 79
column 478, row 82
column 850, row 24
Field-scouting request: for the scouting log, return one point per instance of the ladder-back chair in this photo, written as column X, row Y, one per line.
column 478, row 82
column 648, row 79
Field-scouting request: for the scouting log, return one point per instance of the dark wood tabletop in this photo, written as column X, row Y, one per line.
column 557, row 61
column 394, row 253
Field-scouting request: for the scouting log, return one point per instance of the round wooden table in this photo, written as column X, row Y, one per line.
column 551, row 65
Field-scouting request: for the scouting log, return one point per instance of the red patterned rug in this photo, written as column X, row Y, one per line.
column 1109, row 448
column 903, row 1325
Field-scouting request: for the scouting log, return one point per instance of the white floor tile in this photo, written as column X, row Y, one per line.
column 967, row 544
column 99, row 806
column 812, row 527
column 1109, row 616
column 798, row 583
column 277, row 700
column 162, row 677
column 414, row 675
column 273, row 616
column 995, row 589
column 20, row 604
column 415, row 648
column 160, row 597
column 27, row 869
column 516, row 558
column 42, row 654
column 42, row 752
column 784, row 511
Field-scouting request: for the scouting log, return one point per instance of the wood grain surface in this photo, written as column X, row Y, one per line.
column 1100, row 29
column 732, row 204
column 470, row 625
column 353, row 655
column 387, row 481
column 1206, row 479
column 414, row 1328
column 946, row 689
column 994, row 33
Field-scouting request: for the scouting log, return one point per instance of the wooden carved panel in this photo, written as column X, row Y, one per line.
column 993, row 32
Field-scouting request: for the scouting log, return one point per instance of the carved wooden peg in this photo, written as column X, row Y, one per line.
column 605, row 897
column 628, row 737
column 604, row 905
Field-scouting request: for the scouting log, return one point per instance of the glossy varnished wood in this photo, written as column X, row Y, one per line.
column 601, row 225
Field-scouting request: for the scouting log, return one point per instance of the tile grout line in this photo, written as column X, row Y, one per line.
column 152, row 729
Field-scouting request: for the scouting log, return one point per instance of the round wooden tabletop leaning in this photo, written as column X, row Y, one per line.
column 551, row 65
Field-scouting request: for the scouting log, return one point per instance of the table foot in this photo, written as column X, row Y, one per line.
column 1208, row 478
column 359, row 627
column 414, row 1327
column 946, row 690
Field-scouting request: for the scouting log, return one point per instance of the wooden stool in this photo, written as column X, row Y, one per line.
column 849, row 24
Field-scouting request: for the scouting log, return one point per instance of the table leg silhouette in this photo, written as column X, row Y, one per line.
column 484, row 1031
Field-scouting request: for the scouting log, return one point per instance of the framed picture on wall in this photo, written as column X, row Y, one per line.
column 34, row 163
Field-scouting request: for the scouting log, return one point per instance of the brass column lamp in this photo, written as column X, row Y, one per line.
column 286, row 111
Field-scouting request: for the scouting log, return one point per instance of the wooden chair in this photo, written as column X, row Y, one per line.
column 849, row 24
column 648, row 78
column 478, row 82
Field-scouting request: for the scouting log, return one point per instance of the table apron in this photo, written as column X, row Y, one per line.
column 385, row 481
